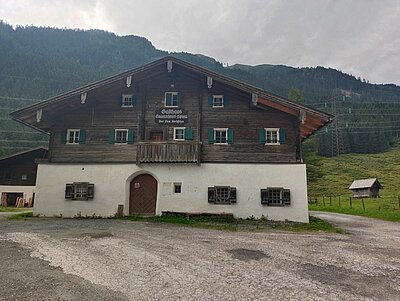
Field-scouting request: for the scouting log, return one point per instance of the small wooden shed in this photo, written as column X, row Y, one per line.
column 365, row 188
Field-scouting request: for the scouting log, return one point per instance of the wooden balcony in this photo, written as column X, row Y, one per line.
column 168, row 152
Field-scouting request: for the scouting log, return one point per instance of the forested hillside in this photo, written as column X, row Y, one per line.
column 37, row 63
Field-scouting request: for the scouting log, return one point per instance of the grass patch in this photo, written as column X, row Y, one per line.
column 232, row 224
column 328, row 176
column 22, row 215
column 385, row 209
column 13, row 209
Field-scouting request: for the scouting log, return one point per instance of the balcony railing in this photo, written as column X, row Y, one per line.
column 168, row 152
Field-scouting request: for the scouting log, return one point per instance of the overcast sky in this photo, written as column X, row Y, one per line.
column 361, row 37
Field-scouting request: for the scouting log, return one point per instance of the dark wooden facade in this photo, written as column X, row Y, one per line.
column 20, row 169
column 247, row 111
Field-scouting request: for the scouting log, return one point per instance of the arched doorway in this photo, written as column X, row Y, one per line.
column 143, row 195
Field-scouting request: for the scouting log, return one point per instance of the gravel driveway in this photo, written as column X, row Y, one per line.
column 66, row 259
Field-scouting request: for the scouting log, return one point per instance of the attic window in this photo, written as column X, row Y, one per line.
column 127, row 100
column 218, row 101
column 171, row 99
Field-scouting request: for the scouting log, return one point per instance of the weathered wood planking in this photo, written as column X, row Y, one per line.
column 103, row 112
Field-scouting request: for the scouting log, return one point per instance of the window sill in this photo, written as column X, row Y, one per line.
column 273, row 143
column 131, row 106
column 221, row 143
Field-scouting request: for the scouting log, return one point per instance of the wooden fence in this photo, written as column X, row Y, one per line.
column 391, row 202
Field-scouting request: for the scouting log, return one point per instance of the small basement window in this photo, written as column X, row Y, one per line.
column 171, row 99
column 177, row 187
column 79, row 191
column 222, row 195
column 73, row 136
column 275, row 196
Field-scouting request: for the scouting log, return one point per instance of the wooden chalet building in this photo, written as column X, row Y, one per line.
column 171, row 136
column 18, row 176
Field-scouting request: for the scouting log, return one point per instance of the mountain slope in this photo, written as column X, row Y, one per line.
column 37, row 63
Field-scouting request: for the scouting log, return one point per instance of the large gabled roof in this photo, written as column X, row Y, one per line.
column 311, row 119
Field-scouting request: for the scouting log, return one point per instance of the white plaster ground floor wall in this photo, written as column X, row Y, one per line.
column 112, row 187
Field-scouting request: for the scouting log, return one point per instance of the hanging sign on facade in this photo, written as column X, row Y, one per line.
column 171, row 116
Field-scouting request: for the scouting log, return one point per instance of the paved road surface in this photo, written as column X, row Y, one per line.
column 66, row 259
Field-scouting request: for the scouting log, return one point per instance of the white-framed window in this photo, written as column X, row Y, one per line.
column 177, row 187
column 171, row 99
column 272, row 136
column 179, row 133
column 275, row 196
column 221, row 136
column 127, row 100
column 121, row 136
column 218, row 101
column 73, row 136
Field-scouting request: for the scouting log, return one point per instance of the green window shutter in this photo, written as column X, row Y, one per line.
column 168, row 98
column 262, row 136
column 282, row 136
column 179, row 99
column 63, row 137
column 82, row 136
column 211, row 136
column 230, row 136
column 210, row 100
column 131, row 136
column 134, row 100
column 111, row 136
column 226, row 100
column 188, row 134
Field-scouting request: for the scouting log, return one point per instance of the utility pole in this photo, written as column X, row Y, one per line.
column 337, row 135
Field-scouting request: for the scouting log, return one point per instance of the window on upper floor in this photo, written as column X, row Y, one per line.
column 127, row 100
column 179, row 133
column 220, row 136
column 275, row 196
column 224, row 195
column 171, row 99
column 272, row 136
column 182, row 133
column 73, row 136
column 218, row 101
column 121, row 136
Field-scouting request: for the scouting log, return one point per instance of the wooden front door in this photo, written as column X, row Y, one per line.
column 143, row 195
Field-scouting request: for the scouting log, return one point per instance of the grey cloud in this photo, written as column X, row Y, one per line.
column 359, row 37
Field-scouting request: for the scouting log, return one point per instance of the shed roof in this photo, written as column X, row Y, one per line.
column 364, row 183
